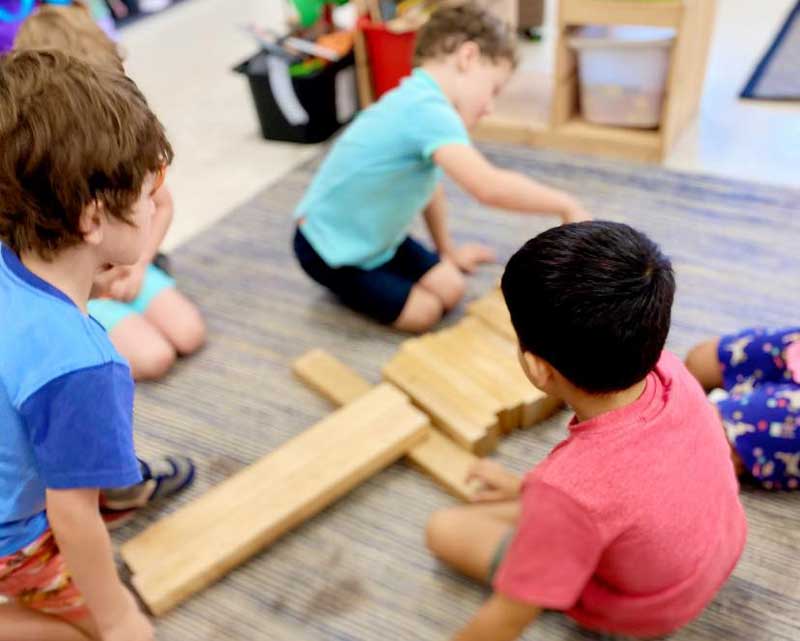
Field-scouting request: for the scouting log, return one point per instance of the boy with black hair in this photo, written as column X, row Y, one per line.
column 632, row 523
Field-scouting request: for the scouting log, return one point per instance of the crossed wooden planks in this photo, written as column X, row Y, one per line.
column 440, row 457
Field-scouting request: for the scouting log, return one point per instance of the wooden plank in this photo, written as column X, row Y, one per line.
column 614, row 12
column 446, row 463
column 448, row 409
column 438, row 456
column 329, row 377
column 199, row 543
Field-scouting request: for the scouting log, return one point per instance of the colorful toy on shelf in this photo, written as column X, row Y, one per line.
column 309, row 11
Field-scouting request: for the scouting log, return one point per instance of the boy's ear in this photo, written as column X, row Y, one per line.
column 467, row 55
column 538, row 370
column 91, row 223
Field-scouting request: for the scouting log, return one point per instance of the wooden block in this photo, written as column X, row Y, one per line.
column 438, row 456
column 666, row 13
column 479, row 369
column 479, row 398
column 492, row 310
column 448, row 408
column 447, row 463
column 329, row 377
column 202, row 541
column 536, row 405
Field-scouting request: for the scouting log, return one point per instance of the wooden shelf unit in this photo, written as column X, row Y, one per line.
column 693, row 22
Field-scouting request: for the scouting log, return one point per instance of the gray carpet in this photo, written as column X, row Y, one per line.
column 359, row 571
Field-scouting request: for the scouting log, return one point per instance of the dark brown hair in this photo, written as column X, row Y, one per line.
column 72, row 30
column 451, row 26
column 70, row 134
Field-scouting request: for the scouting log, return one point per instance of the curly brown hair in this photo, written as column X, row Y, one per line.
column 70, row 135
column 452, row 25
column 71, row 29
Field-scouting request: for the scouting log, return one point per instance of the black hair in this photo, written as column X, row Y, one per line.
column 593, row 299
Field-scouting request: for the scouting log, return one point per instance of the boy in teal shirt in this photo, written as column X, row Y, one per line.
column 353, row 222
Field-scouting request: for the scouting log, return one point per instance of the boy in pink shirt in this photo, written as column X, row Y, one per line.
column 633, row 522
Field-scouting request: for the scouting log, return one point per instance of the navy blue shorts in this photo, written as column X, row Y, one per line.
column 379, row 293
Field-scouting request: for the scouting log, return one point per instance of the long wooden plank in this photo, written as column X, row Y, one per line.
column 454, row 414
column 438, row 456
column 245, row 486
column 199, row 543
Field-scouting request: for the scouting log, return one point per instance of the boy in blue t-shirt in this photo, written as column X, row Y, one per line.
column 80, row 155
column 352, row 235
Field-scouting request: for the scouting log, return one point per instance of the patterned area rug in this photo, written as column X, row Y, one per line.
column 777, row 76
column 360, row 571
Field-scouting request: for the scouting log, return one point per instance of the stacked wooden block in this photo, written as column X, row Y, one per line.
column 468, row 379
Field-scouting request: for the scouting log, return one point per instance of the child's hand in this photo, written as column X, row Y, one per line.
column 498, row 483
column 101, row 286
column 132, row 625
column 575, row 214
column 128, row 284
column 467, row 257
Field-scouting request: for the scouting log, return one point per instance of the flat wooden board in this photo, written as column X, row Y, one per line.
column 446, row 463
column 198, row 544
column 438, row 456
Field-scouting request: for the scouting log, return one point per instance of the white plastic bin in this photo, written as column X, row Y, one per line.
column 623, row 73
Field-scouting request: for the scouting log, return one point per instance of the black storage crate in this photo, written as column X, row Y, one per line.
column 327, row 97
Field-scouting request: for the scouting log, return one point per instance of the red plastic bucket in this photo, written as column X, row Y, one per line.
column 390, row 55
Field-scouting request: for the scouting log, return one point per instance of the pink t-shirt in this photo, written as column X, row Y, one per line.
column 633, row 523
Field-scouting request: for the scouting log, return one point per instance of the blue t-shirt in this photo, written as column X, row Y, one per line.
column 379, row 175
column 66, row 403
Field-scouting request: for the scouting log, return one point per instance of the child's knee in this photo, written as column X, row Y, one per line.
column 439, row 531
column 192, row 334
column 421, row 312
column 703, row 363
column 455, row 287
column 154, row 362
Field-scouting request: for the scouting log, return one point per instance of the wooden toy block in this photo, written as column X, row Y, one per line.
column 448, row 407
column 478, row 337
column 438, row 456
column 480, row 399
column 329, row 377
column 193, row 547
column 492, row 310
column 482, row 371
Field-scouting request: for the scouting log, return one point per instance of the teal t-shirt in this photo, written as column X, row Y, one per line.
column 379, row 175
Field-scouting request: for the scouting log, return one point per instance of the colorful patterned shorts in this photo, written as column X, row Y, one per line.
column 762, row 412
column 36, row 577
